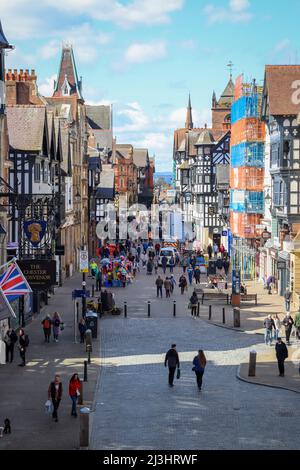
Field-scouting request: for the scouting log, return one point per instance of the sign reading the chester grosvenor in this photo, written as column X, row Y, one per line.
column 40, row 274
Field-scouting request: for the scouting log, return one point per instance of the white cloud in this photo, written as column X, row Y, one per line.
column 189, row 44
column 49, row 50
column 132, row 118
column 282, row 45
column 139, row 53
column 237, row 11
column 135, row 12
column 47, row 88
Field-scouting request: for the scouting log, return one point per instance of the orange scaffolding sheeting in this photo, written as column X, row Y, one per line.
column 248, row 178
column 249, row 129
column 245, row 225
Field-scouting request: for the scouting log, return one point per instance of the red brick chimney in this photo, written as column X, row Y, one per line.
column 21, row 87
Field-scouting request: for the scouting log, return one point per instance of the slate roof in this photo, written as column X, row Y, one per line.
column 99, row 117
column 26, row 125
column 140, row 157
column 4, row 44
column 123, row 150
column 205, row 138
column 227, row 96
column 105, row 189
column 68, row 69
column 279, row 81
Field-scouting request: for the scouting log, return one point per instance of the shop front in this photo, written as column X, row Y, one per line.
column 284, row 274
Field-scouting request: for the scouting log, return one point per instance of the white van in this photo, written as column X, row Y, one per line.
column 168, row 252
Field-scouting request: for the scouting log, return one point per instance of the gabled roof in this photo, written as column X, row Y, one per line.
column 99, row 117
column 205, row 138
column 140, row 157
column 124, row 151
column 227, row 96
column 68, row 73
column 26, row 127
column 279, row 80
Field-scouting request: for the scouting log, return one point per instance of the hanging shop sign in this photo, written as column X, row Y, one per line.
column 35, row 231
column 40, row 274
column 224, row 233
column 281, row 265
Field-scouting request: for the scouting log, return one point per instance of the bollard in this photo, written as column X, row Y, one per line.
column 125, row 309
column 198, row 310
column 89, row 354
column 149, row 308
column 224, row 320
column 84, row 433
column 80, row 398
column 209, row 314
column 252, row 364
column 85, row 376
column 236, row 318
column 93, row 291
column 174, row 308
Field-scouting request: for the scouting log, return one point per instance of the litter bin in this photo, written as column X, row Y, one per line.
column 91, row 321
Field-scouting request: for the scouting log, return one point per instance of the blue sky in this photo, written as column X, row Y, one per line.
column 144, row 56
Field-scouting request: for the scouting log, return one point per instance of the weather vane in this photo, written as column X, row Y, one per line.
column 230, row 65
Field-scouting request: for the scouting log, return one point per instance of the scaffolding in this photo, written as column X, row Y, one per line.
column 249, row 178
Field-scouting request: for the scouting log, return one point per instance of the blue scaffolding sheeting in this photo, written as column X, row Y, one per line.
column 245, row 107
column 247, row 202
column 248, row 154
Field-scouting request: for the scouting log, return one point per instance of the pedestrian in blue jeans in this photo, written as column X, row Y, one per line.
column 269, row 326
column 190, row 272
column 74, row 392
column 199, row 364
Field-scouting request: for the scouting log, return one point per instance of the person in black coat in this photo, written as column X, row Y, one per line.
column 23, row 345
column 10, row 340
column 55, row 391
column 281, row 354
column 172, row 359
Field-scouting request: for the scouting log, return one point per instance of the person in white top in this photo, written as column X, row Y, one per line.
column 278, row 325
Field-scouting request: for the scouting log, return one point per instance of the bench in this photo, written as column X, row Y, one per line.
column 215, row 296
column 249, row 298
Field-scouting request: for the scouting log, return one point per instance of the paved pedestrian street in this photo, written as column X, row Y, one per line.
column 135, row 408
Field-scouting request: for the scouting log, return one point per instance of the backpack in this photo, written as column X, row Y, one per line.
column 47, row 324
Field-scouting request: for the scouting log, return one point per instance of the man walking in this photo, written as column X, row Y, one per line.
column 164, row 262
column 55, row 393
column 288, row 325
column 159, row 283
column 172, row 359
column 287, row 298
column 10, row 340
column 23, row 345
column 281, row 354
column 167, row 285
column 269, row 325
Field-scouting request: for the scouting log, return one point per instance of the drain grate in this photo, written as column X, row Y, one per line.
column 286, row 414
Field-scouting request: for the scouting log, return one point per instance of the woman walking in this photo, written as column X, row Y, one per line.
column 277, row 323
column 182, row 283
column 82, row 329
column 56, row 321
column 74, row 392
column 55, row 393
column 190, row 272
column 194, row 303
column 199, row 364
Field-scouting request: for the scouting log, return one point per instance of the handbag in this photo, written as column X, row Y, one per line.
column 48, row 407
column 62, row 326
column 178, row 373
column 190, row 306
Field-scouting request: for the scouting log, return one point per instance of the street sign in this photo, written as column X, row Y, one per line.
column 224, row 233
column 236, row 281
column 84, row 261
column 78, row 294
column 216, row 231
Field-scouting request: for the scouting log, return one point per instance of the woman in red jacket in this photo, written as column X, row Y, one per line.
column 74, row 392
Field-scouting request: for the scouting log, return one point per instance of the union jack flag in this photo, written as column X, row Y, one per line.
column 13, row 283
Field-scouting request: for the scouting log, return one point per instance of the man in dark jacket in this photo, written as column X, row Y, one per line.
column 55, row 393
column 164, row 262
column 281, row 354
column 288, row 325
column 159, row 283
column 172, row 359
column 23, row 344
column 10, row 340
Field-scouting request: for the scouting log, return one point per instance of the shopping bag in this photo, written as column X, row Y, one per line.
column 48, row 407
column 62, row 326
column 178, row 373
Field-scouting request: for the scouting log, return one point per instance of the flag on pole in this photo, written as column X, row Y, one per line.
column 13, row 284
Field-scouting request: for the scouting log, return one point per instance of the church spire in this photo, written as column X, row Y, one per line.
column 189, row 118
column 67, row 83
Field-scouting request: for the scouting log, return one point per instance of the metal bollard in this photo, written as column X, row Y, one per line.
column 198, row 310
column 89, row 353
column 236, row 318
column 224, row 319
column 84, row 433
column 125, row 309
column 252, row 364
column 80, row 398
column 85, row 375
column 93, row 290
column 174, row 308
column 209, row 314
column 149, row 308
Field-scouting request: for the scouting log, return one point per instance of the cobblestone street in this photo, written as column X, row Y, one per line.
column 135, row 409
